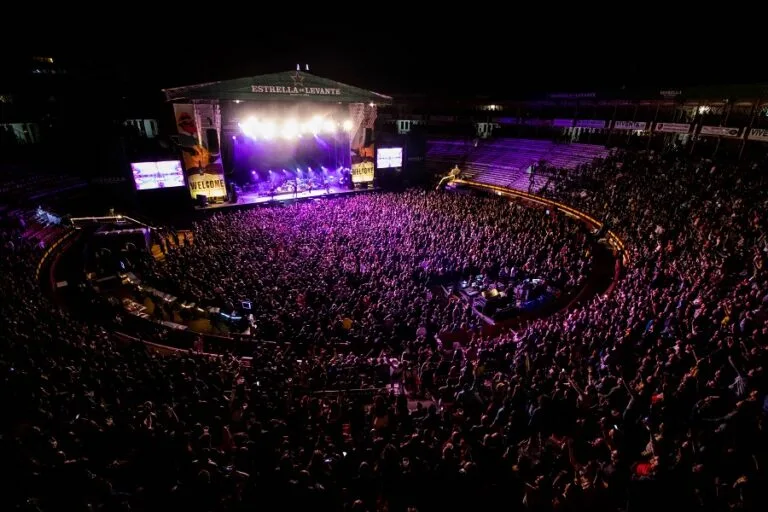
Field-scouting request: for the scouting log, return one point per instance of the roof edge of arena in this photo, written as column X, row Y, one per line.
column 281, row 86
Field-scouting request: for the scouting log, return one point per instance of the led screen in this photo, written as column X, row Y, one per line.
column 389, row 157
column 152, row 175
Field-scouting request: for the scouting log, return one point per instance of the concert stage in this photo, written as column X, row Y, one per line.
column 256, row 198
column 270, row 131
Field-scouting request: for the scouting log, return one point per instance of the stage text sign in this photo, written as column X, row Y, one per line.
column 207, row 184
column 292, row 90
column 362, row 172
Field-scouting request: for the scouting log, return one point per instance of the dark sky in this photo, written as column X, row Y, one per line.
column 424, row 57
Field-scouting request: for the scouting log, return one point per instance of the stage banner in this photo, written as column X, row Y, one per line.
column 205, row 173
column 362, row 172
column 719, row 131
column 206, row 117
column 186, row 124
column 672, row 127
column 630, row 125
column 590, row 123
column 209, row 184
column 563, row 123
column 760, row 134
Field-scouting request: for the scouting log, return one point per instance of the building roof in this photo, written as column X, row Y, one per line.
column 285, row 86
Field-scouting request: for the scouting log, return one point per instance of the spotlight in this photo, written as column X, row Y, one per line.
column 234, row 137
column 250, row 127
column 309, row 169
column 298, row 170
column 290, row 129
column 268, row 129
column 253, row 172
column 315, row 124
column 329, row 126
column 347, row 125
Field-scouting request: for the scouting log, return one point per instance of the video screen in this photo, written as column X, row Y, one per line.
column 152, row 175
column 387, row 158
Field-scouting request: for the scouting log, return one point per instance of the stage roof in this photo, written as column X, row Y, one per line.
column 286, row 86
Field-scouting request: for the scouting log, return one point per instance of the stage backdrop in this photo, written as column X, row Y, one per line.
column 201, row 156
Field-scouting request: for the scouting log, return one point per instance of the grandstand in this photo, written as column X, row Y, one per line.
column 508, row 162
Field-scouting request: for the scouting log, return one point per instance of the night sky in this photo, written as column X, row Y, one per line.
column 427, row 58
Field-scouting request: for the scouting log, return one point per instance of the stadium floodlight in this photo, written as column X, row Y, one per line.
column 347, row 125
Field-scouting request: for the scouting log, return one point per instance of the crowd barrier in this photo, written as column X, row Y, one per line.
column 50, row 250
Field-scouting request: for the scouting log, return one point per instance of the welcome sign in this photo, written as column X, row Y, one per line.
column 207, row 184
column 362, row 172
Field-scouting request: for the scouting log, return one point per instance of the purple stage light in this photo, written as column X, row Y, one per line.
column 234, row 137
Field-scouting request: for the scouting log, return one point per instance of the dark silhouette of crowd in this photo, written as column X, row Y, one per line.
column 650, row 395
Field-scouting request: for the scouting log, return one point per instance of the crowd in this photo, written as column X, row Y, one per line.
column 362, row 269
column 653, row 395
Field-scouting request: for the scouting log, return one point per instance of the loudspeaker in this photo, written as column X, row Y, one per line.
column 202, row 200
column 212, row 138
column 369, row 137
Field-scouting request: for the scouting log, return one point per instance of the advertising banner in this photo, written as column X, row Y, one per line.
column 362, row 172
column 672, row 127
column 205, row 173
column 185, row 120
column 719, row 131
column 760, row 134
column 630, row 125
column 204, row 170
column 590, row 123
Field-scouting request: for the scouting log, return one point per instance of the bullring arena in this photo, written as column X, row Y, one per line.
column 557, row 325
